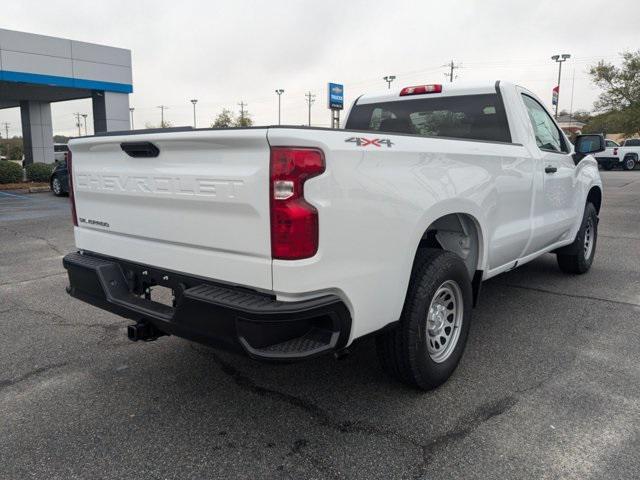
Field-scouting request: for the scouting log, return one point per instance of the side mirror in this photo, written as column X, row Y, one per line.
column 586, row 144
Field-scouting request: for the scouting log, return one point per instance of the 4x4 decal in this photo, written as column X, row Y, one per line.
column 364, row 142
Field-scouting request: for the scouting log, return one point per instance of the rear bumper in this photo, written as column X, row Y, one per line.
column 224, row 316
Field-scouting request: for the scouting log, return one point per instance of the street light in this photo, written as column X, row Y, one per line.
column 279, row 92
column 559, row 58
column 389, row 79
column 84, row 116
column 131, row 109
column 194, row 101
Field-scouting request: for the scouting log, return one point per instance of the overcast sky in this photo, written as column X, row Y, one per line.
column 222, row 52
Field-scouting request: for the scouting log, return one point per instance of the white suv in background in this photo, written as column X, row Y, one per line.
column 60, row 152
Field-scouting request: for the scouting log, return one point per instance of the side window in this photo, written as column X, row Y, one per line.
column 548, row 136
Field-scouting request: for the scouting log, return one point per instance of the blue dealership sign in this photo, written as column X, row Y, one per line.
column 336, row 96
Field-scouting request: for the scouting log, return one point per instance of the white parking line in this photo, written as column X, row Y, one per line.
column 13, row 195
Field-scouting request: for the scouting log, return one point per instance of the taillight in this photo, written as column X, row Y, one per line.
column 72, row 198
column 615, row 150
column 421, row 89
column 294, row 221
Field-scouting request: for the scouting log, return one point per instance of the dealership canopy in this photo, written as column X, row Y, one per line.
column 36, row 70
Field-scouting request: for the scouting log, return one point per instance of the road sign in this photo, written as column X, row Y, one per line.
column 554, row 98
column 335, row 98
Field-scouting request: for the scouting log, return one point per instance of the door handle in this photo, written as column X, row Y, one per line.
column 140, row 149
column 550, row 169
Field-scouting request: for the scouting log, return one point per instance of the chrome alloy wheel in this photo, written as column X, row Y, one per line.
column 444, row 320
column 56, row 186
column 588, row 239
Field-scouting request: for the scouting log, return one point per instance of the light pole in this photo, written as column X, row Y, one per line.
column 559, row 58
column 389, row 79
column 279, row 92
column 131, row 109
column 84, row 117
column 194, row 101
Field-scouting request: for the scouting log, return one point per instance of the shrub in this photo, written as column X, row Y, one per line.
column 10, row 172
column 39, row 172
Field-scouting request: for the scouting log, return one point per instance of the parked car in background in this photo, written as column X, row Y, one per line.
column 60, row 152
column 624, row 156
column 59, row 179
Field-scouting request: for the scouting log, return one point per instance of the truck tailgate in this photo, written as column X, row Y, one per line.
column 201, row 206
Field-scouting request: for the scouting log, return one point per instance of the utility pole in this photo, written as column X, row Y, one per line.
column 310, row 99
column 6, row 130
column 389, row 79
column 279, row 92
column 242, row 105
column 559, row 58
column 78, row 124
column 162, row 109
column 131, row 109
column 452, row 66
column 84, row 117
column 194, row 101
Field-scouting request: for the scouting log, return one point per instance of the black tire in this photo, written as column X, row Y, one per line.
column 403, row 351
column 56, row 186
column 577, row 257
column 629, row 163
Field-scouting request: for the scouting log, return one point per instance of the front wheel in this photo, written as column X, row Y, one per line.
column 629, row 163
column 56, row 186
column 578, row 257
column 425, row 347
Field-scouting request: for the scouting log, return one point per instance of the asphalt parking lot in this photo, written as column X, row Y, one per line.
column 549, row 386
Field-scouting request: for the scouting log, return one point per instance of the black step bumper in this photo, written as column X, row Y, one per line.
column 229, row 317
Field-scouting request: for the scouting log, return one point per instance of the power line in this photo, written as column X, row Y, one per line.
column 242, row 105
column 162, row 109
column 78, row 124
column 310, row 100
column 452, row 66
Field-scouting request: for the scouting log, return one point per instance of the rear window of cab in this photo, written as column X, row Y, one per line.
column 473, row 117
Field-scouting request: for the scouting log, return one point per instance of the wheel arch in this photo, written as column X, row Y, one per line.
column 595, row 196
column 459, row 233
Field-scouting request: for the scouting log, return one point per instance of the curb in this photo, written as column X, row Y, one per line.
column 39, row 189
column 22, row 191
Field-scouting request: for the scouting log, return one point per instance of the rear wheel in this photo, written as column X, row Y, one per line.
column 426, row 346
column 629, row 163
column 578, row 257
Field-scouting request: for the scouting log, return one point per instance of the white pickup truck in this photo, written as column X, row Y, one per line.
column 286, row 242
column 625, row 156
